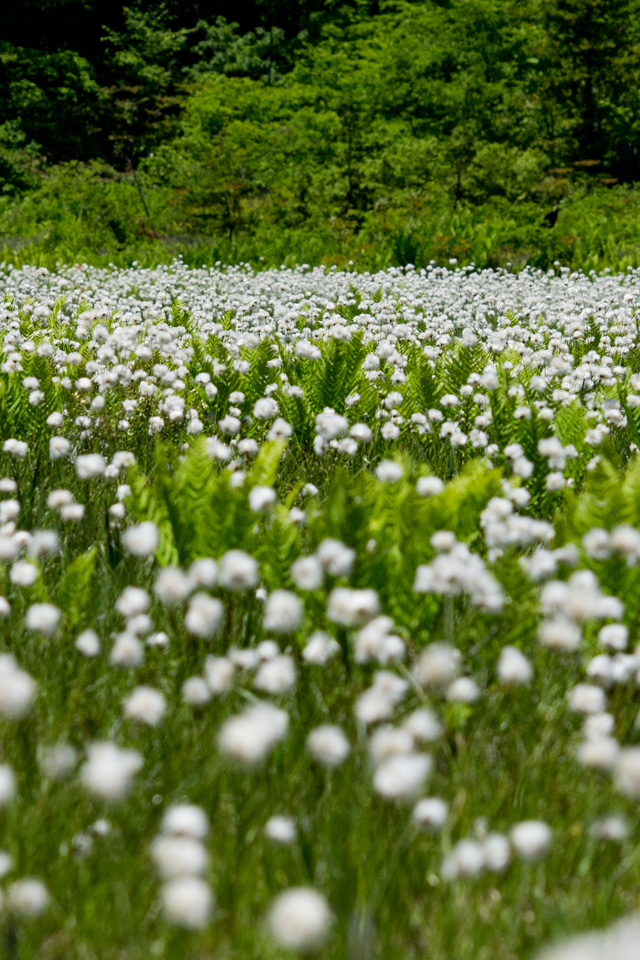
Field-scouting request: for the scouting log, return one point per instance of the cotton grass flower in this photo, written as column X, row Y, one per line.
column 320, row 648
column 300, row 920
column 249, row 736
column 187, row 902
column 17, row 689
column 109, row 770
column 617, row 942
column 177, row 856
column 402, row 777
column 219, row 674
column 307, row 573
column 27, row 897
column 283, row 612
column 627, row 772
column 514, row 669
column 336, row 558
column 127, row 651
column 437, row 665
column 352, row 608
column 328, row 745
column 172, row 586
column 281, row 830
column 145, row 704
column 185, row 819
column 467, row 859
column 59, row 761
column 141, row 540
column 276, row 676
column 42, row 618
column 23, row 573
column 238, row 571
column 132, row 601
column 431, row 813
column 89, row 466
column 88, row 643
column 261, row 499
column 531, row 839
column 204, row 615
column 196, row 691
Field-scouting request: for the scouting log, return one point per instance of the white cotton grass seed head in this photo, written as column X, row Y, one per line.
column 429, row 486
column 497, row 852
column 196, row 691
column 388, row 471
column 423, row 725
column 179, row 856
column 88, row 643
column 188, row 902
column 127, row 651
column 514, row 669
column 59, row 761
column 598, row 725
column 300, row 920
column 261, row 499
column 109, row 770
column 172, row 586
column 431, row 813
column 283, row 612
column 612, row 827
column 599, row 753
column 141, row 540
column 9, row 549
column 388, row 742
column 23, row 573
column 531, row 839
column 204, row 572
column 615, row 636
column 627, row 772
column 17, row 688
column 276, row 676
column 204, row 615
column 617, row 942
column 132, row 601
column 336, row 558
column 402, row 777
column 463, row 690
column 249, row 736
column 89, row 466
column 185, row 820
column 559, row 634
column 219, row 673
column 437, row 665
column 238, row 571
column 328, row 745
column 145, row 704
column 467, row 859
column 320, row 648
column 281, row 830
column 27, row 897
column 352, row 608
column 587, row 698
column 43, row 543
column 42, row 618
column 307, row 573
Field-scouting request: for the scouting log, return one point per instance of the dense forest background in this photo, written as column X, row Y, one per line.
column 374, row 131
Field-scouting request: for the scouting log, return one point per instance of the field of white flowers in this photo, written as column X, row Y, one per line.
column 319, row 613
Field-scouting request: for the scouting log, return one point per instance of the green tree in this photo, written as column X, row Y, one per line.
column 591, row 59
